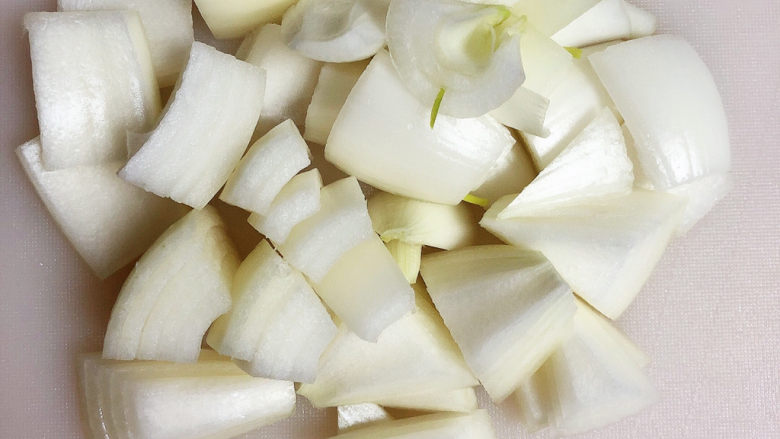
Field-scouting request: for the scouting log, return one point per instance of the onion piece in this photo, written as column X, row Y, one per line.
column 298, row 200
column 235, row 18
column 510, row 175
column 382, row 136
column 189, row 269
column 336, row 30
column 605, row 251
column 168, row 26
column 470, row 51
column 474, row 425
column 594, row 379
column 676, row 118
column 545, row 64
column 290, row 78
column 594, row 166
column 107, row 221
column 277, row 326
column 204, row 131
column 333, row 86
column 420, row 222
column 407, row 256
column 354, row 416
column 414, row 355
column 93, row 80
column 113, row 382
column 208, row 399
column 506, row 308
column 366, row 289
column 702, row 194
column 269, row 164
column 317, row 243
column 578, row 98
column 525, row 111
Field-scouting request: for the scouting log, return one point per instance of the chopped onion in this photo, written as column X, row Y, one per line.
column 545, row 64
column 354, row 416
column 204, row 131
column 550, row 19
column 235, row 18
column 407, row 256
column 593, row 167
column 506, row 308
column 510, row 175
column 333, row 87
column 643, row 23
column 210, row 399
column 93, row 80
column 298, row 200
column 412, row 356
column 577, row 99
column 606, row 250
column 336, row 30
column 290, row 78
column 420, row 222
column 676, row 116
column 179, row 286
column 277, row 326
column 269, row 164
column 533, row 402
column 702, row 195
column 168, row 26
column 594, row 379
column 108, row 221
column 367, row 289
column 382, row 136
column 342, row 222
column 470, row 51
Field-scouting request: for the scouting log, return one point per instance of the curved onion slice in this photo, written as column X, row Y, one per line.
column 472, row 52
column 336, row 30
column 382, row 137
column 676, row 117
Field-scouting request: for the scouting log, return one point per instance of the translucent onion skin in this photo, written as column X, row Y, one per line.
column 412, row 27
column 671, row 106
column 336, row 30
column 383, row 137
